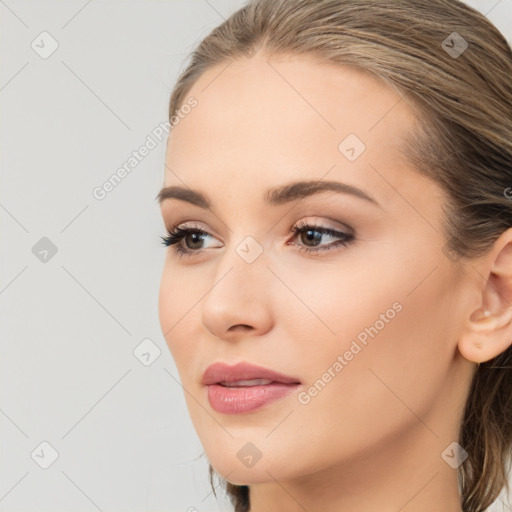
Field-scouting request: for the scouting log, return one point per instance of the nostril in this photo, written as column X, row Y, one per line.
column 244, row 327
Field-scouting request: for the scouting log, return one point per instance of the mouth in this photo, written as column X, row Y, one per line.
column 249, row 383
column 244, row 387
column 244, row 374
column 237, row 399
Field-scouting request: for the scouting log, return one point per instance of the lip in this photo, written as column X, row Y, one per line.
column 222, row 372
column 243, row 399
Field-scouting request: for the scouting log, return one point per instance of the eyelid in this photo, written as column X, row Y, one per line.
column 307, row 219
column 193, row 226
column 320, row 221
column 346, row 235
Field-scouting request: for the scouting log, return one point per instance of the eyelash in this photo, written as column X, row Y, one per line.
column 175, row 236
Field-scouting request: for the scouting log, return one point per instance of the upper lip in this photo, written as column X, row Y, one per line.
column 221, row 372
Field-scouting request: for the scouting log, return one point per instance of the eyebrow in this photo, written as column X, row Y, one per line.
column 274, row 197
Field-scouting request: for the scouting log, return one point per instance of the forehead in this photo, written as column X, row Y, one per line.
column 274, row 120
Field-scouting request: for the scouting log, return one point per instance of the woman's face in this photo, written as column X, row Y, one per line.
column 368, row 327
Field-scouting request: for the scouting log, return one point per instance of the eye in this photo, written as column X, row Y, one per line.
column 177, row 235
column 188, row 240
column 312, row 234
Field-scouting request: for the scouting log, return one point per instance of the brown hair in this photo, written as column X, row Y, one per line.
column 463, row 98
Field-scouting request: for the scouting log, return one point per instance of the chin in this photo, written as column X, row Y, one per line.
column 244, row 476
column 237, row 467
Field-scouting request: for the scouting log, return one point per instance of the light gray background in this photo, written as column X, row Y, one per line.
column 69, row 325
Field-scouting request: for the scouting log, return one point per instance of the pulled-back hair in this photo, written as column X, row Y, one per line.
column 462, row 98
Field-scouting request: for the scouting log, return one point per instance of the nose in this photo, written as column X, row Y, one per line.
column 239, row 300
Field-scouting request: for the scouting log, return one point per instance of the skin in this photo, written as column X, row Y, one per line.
column 372, row 439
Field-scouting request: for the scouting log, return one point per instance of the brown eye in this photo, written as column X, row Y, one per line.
column 311, row 237
column 195, row 237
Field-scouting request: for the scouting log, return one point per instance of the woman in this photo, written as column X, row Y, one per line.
column 337, row 290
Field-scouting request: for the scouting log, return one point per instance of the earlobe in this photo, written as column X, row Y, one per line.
column 488, row 329
column 486, row 336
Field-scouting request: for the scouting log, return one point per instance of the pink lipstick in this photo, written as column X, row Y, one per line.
column 245, row 387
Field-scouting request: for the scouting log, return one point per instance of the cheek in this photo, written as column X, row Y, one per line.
column 390, row 335
column 177, row 314
column 166, row 305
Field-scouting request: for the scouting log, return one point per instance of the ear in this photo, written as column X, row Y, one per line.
column 488, row 329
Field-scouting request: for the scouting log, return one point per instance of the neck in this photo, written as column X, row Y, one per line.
column 405, row 474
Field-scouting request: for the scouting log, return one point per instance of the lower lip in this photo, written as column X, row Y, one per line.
column 237, row 400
